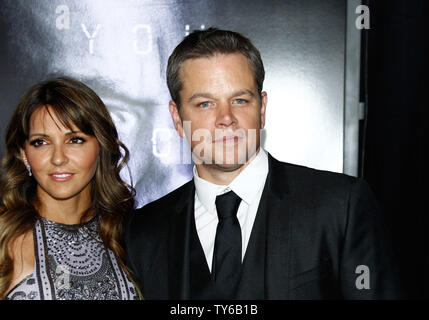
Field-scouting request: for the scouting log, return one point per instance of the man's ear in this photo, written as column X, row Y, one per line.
column 264, row 101
column 174, row 111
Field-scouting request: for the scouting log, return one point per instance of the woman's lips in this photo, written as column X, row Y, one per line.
column 61, row 177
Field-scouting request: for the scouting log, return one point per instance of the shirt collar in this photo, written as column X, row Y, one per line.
column 246, row 185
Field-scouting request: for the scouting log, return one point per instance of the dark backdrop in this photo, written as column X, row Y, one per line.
column 396, row 146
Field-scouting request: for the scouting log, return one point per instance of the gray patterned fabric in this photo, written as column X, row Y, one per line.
column 72, row 263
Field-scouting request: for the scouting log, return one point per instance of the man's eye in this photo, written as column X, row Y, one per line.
column 204, row 104
column 77, row 140
column 240, row 101
column 37, row 142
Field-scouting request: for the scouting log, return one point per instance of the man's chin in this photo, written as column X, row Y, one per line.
column 227, row 167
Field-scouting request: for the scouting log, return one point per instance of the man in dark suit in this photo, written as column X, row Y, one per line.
column 248, row 226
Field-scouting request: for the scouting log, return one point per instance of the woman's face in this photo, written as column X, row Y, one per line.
column 63, row 161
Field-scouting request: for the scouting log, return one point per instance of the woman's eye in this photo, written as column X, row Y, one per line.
column 77, row 140
column 37, row 142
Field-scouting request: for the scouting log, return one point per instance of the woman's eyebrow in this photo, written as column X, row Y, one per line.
column 46, row 136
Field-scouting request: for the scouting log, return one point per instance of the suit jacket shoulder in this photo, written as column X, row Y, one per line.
column 336, row 219
column 154, row 215
column 306, row 179
column 318, row 188
column 147, row 231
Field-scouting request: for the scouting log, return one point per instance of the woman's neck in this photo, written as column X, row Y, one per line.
column 66, row 211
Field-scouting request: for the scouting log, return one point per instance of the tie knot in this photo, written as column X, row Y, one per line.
column 227, row 205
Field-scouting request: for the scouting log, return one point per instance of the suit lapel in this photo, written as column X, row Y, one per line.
column 277, row 202
column 179, row 244
column 266, row 262
column 253, row 270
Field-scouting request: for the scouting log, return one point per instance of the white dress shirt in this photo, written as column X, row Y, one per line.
column 248, row 185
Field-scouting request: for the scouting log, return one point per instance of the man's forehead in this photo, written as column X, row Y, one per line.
column 197, row 83
column 217, row 56
column 220, row 65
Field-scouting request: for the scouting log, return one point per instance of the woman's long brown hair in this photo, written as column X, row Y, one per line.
column 112, row 198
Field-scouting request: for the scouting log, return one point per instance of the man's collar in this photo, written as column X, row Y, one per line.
column 206, row 191
column 246, row 185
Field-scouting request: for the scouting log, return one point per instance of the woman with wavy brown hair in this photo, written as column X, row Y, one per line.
column 63, row 200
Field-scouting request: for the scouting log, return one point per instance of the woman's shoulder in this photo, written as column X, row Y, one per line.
column 23, row 244
column 21, row 251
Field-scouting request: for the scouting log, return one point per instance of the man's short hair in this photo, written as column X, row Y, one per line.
column 207, row 43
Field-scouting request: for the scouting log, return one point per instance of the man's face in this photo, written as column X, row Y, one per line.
column 220, row 103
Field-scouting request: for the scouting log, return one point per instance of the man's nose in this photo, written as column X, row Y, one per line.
column 225, row 116
column 59, row 157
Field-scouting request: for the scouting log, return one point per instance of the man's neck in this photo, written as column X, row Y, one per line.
column 219, row 175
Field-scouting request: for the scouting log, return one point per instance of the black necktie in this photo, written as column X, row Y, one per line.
column 227, row 250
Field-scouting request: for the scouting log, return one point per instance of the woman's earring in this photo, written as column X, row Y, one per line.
column 27, row 165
